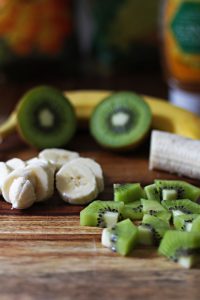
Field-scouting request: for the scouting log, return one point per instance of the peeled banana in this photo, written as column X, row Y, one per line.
column 166, row 116
column 175, row 154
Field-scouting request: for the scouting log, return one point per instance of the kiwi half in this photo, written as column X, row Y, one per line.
column 122, row 238
column 101, row 213
column 183, row 189
column 121, row 121
column 46, row 118
column 128, row 192
column 182, row 247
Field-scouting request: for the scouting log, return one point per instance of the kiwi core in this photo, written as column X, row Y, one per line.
column 120, row 120
column 46, row 118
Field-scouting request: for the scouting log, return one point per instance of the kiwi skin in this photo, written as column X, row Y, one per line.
column 52, row 91
column 136, row 143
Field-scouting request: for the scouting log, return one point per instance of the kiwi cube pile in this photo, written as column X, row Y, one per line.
column 164, row 214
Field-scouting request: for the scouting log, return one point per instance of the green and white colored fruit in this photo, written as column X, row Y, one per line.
column 122, row 238
column 101, row 213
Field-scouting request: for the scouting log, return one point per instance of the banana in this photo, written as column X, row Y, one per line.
column 44, row 180
column 4, row 171
column 18, row 188
column 8, row 166
column 57, row 157
column 76, row 183
column 166, row 116
column 15, row 163
column 21, row 193
column 95, row 168
column 175, row 154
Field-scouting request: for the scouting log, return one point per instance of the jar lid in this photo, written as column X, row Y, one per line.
column 185, row 99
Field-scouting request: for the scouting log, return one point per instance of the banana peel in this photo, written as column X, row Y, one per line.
column 166, row 117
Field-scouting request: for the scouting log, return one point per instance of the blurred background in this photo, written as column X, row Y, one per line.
column 89, row 44
column 72, row 44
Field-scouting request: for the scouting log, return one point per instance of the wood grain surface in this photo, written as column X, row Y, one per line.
column 45, row 254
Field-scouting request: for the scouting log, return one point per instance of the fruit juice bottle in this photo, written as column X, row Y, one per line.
column 181, row 51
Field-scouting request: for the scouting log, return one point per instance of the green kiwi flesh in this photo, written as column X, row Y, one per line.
column 132, row 211
column 181, row 246
column 152, row 230
column 154, row 208
column 152, row 192
column 122, row 238
column 184, row 190
column 181, row 206
column 121, row 121
column 184, row 222
column 196, row 225
column 93, row 214
column 128, row 192
column 46, row 118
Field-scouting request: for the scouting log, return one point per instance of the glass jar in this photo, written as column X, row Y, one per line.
column 181, row 51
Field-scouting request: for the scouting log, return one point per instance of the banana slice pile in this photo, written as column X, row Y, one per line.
column 78, row 180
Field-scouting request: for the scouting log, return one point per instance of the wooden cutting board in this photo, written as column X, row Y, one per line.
column 45, row 254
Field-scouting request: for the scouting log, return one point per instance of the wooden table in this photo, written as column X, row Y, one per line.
column 45, row 254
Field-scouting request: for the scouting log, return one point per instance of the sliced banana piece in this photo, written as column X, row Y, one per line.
column 76, row 183
column 58, row 157
column 44, row 180
column 95, row 168
column 12, row 193
column 4, row 171
column 15, row 163
column 21, row 193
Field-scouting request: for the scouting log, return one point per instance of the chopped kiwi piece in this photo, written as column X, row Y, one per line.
column 96, row 213
column 128, row 192
column 152, row 192
column 46, row 118
column 182, row 247
column 154, row 208
column 169, row 194
column 184, row 190
column 121, row 121
column 184, row 222
column 196, row 225
column 182, row 206
column 122, row 238
column 132, row 211
column 152, row 230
